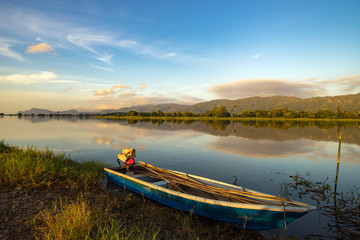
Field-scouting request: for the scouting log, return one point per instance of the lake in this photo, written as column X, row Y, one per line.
column 261, row 155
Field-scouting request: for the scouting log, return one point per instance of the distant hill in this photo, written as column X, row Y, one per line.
column 37, row 111
column 350, row 103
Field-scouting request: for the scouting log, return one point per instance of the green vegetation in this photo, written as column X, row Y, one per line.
column 29, row 178
column 222, row 113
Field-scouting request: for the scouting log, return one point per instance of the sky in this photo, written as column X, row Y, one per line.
column 92, row 55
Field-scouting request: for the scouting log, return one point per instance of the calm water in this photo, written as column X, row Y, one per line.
column 260, row 155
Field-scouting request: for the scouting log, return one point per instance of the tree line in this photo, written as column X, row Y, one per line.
column 222, row 112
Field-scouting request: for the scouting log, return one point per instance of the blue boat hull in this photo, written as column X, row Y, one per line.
column 241, row 216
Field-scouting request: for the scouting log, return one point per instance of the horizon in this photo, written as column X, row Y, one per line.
column 94, row 55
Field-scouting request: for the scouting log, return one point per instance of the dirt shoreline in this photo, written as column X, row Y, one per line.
column 19, row 207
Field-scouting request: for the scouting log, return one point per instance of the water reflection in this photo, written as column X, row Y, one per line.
column 263, row 148
column 275, row 130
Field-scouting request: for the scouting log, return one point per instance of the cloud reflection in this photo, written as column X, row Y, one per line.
column 262, row 148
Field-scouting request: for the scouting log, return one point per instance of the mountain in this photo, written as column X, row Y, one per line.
column 350, row 103
column 37, row 111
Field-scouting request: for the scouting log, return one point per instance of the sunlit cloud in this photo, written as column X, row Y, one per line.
column 127, row 95
column 104, row 92
column 26, row 79
column 349, row 84
column 40, row 48
column 311, row 79
column 102, row 68
column 264, row 88
column 121, row 86
column 142, row 86
column 5, row 50
column 190, row 100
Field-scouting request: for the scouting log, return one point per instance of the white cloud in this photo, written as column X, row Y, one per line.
column 26, row 79
column 91, row 41
column 105, row 58
column 102, row 68
column 5, row 50
column 256, row 56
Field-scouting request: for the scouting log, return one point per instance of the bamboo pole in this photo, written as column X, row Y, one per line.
column 235, row 195
column 337, row 170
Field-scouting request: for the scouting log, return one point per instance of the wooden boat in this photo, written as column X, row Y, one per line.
column 209, row 198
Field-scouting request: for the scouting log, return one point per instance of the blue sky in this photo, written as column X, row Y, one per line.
column 64, row 55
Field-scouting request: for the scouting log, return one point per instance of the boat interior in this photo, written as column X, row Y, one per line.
column 141, row 173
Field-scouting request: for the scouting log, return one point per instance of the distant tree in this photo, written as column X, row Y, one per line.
column 132, row 113
column 189, row 114
column 160, row 113
column 220, row 112
column 339, row 113
column 179, row 114
column 19, row 115
column 2, row 114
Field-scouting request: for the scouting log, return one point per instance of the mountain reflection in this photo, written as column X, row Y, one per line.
column 251, row 139
column 273, row 130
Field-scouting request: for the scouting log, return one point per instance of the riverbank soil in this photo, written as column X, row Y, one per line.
column 18, row 209
column 22, row 210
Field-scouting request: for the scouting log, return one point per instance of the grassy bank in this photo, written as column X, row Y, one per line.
column 45, row 195
column 29, row 167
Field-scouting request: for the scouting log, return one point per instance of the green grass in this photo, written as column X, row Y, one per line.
column 29, row 167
